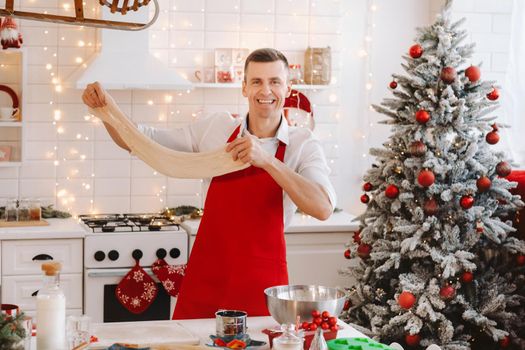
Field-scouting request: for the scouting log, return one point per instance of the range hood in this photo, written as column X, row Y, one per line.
column 124, row 61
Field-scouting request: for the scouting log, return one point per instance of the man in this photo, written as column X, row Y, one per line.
column 240, row 248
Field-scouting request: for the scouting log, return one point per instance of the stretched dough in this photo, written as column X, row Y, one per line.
column 184, row 165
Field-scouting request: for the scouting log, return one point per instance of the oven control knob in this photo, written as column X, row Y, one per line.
column 137, row 254
column 100, row 255
column 161, row 253
column 175, row 253
column 113, row 255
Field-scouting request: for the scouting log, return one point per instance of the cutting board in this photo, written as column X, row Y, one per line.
column 143, row 333
column 4, row 223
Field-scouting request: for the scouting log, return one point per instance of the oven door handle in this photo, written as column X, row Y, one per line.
column 113, row 272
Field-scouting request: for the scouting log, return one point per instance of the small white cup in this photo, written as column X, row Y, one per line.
column 8, row 113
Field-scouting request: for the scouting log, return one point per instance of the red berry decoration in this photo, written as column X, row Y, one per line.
column 473, row 73
column 363, row 251
column 325, row 325
column 447, row 292
column 483, row 184
column 430, row 207
column 312, row 327
column 503, row 169
column 422, row 116
column 426, row 178
column 325, row 314
column 347, row 254
column 406, row 300
column 316, row 314
column 412, row 339
column 365, row 199
column 492, row 138
column 467, row 277
column 393, row 84
column 448, row 75
column 333, row 328
column 417, row 149
column 367, row 186
column 357, row 237
column 466, row 202
column 504, row 342
column 392, row 191
column 493, row 95
column 332, row 321
column 520, row 260
column 305, row 325
column 415, row 51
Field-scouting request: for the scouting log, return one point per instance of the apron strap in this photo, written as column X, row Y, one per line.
column 279, row 154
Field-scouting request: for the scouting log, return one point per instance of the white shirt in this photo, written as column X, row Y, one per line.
column 304, row 153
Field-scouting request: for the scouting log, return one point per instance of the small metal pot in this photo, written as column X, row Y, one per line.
column 230, row 322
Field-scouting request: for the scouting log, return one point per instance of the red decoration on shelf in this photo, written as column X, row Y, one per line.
column 447, row 292
column 520, row 260
column 357, row 237
column 430, row 207
column 504, row 342
column 503, row 169
column 412, row 339
column 417, row 149
column 392, row 191
column 367, row 186
column 393, row 84
column 422, row 116
column 363, row 251
column 467, row 277
column 415, row 51
column 426, row 178
column 473, row 73
column 448, row 75
column 406, row 300
column 466, row 202
column 483, row 184
column 492, row 138
column 347, row 254
column 493, row 95
column 365, row 199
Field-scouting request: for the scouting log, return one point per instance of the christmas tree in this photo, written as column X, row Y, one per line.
column 439, row 260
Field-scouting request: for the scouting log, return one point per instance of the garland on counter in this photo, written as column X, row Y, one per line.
column 183, row 210
column 47, row 213
column 12, row 332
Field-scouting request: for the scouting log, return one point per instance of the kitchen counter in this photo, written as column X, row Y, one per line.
column 57, row 228
column 301, row 223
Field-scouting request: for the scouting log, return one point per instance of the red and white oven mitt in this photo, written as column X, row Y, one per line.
column 170, row 276
column 137, row 290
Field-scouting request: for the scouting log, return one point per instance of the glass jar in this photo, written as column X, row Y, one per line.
column 23, row 210
column 11, row 213
column 296, row 74
column 35, row 212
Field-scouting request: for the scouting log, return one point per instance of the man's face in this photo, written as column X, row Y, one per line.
column 266, row 86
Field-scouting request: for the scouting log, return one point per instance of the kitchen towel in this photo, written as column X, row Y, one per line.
column 170, row 276
column 137, row 290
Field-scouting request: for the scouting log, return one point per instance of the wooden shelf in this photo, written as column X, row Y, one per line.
column 238, row 86
column 10, row 164
column 11, row 124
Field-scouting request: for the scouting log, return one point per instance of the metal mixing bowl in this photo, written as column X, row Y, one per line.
column 285, row 303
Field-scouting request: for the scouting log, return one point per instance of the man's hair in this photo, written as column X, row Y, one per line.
column 265, row 55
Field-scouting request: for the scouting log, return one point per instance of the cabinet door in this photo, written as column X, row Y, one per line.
column 26, row 257
column 316, row 258
column 19, row 290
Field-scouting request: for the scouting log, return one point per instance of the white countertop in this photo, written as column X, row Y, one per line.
column 301, row 223
column 57, row 228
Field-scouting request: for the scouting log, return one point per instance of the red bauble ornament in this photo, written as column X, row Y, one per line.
column 367, row 186
column 415, row 51
column 365, row 199
column 412, row 339
column 406, row 300
column 392, row 191
column 466, row 202
column 492, row 138
column 447, row 292
column 504, row 342
column 483, row 184
column 473, row 73
column 363, row 251
column 467, row 277
column 520, row 260
column 426, row 178
column 422, row 116
column 393, row 84
column 430, row 207
column 357, row 237
column 493, row 95
column 417, row 149
column 448, row 75
column 347, row 254
column 503, row 169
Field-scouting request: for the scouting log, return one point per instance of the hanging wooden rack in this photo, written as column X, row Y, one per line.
column 79, row 18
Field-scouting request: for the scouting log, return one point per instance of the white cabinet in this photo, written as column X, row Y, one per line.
column 22, row 275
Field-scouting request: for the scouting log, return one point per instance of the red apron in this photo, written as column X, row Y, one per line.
column 240, row 249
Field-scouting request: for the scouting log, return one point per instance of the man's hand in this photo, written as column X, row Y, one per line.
column 94, row 95
column 248, row 150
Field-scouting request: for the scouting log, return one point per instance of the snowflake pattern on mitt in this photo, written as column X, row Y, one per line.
column 170, row 276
